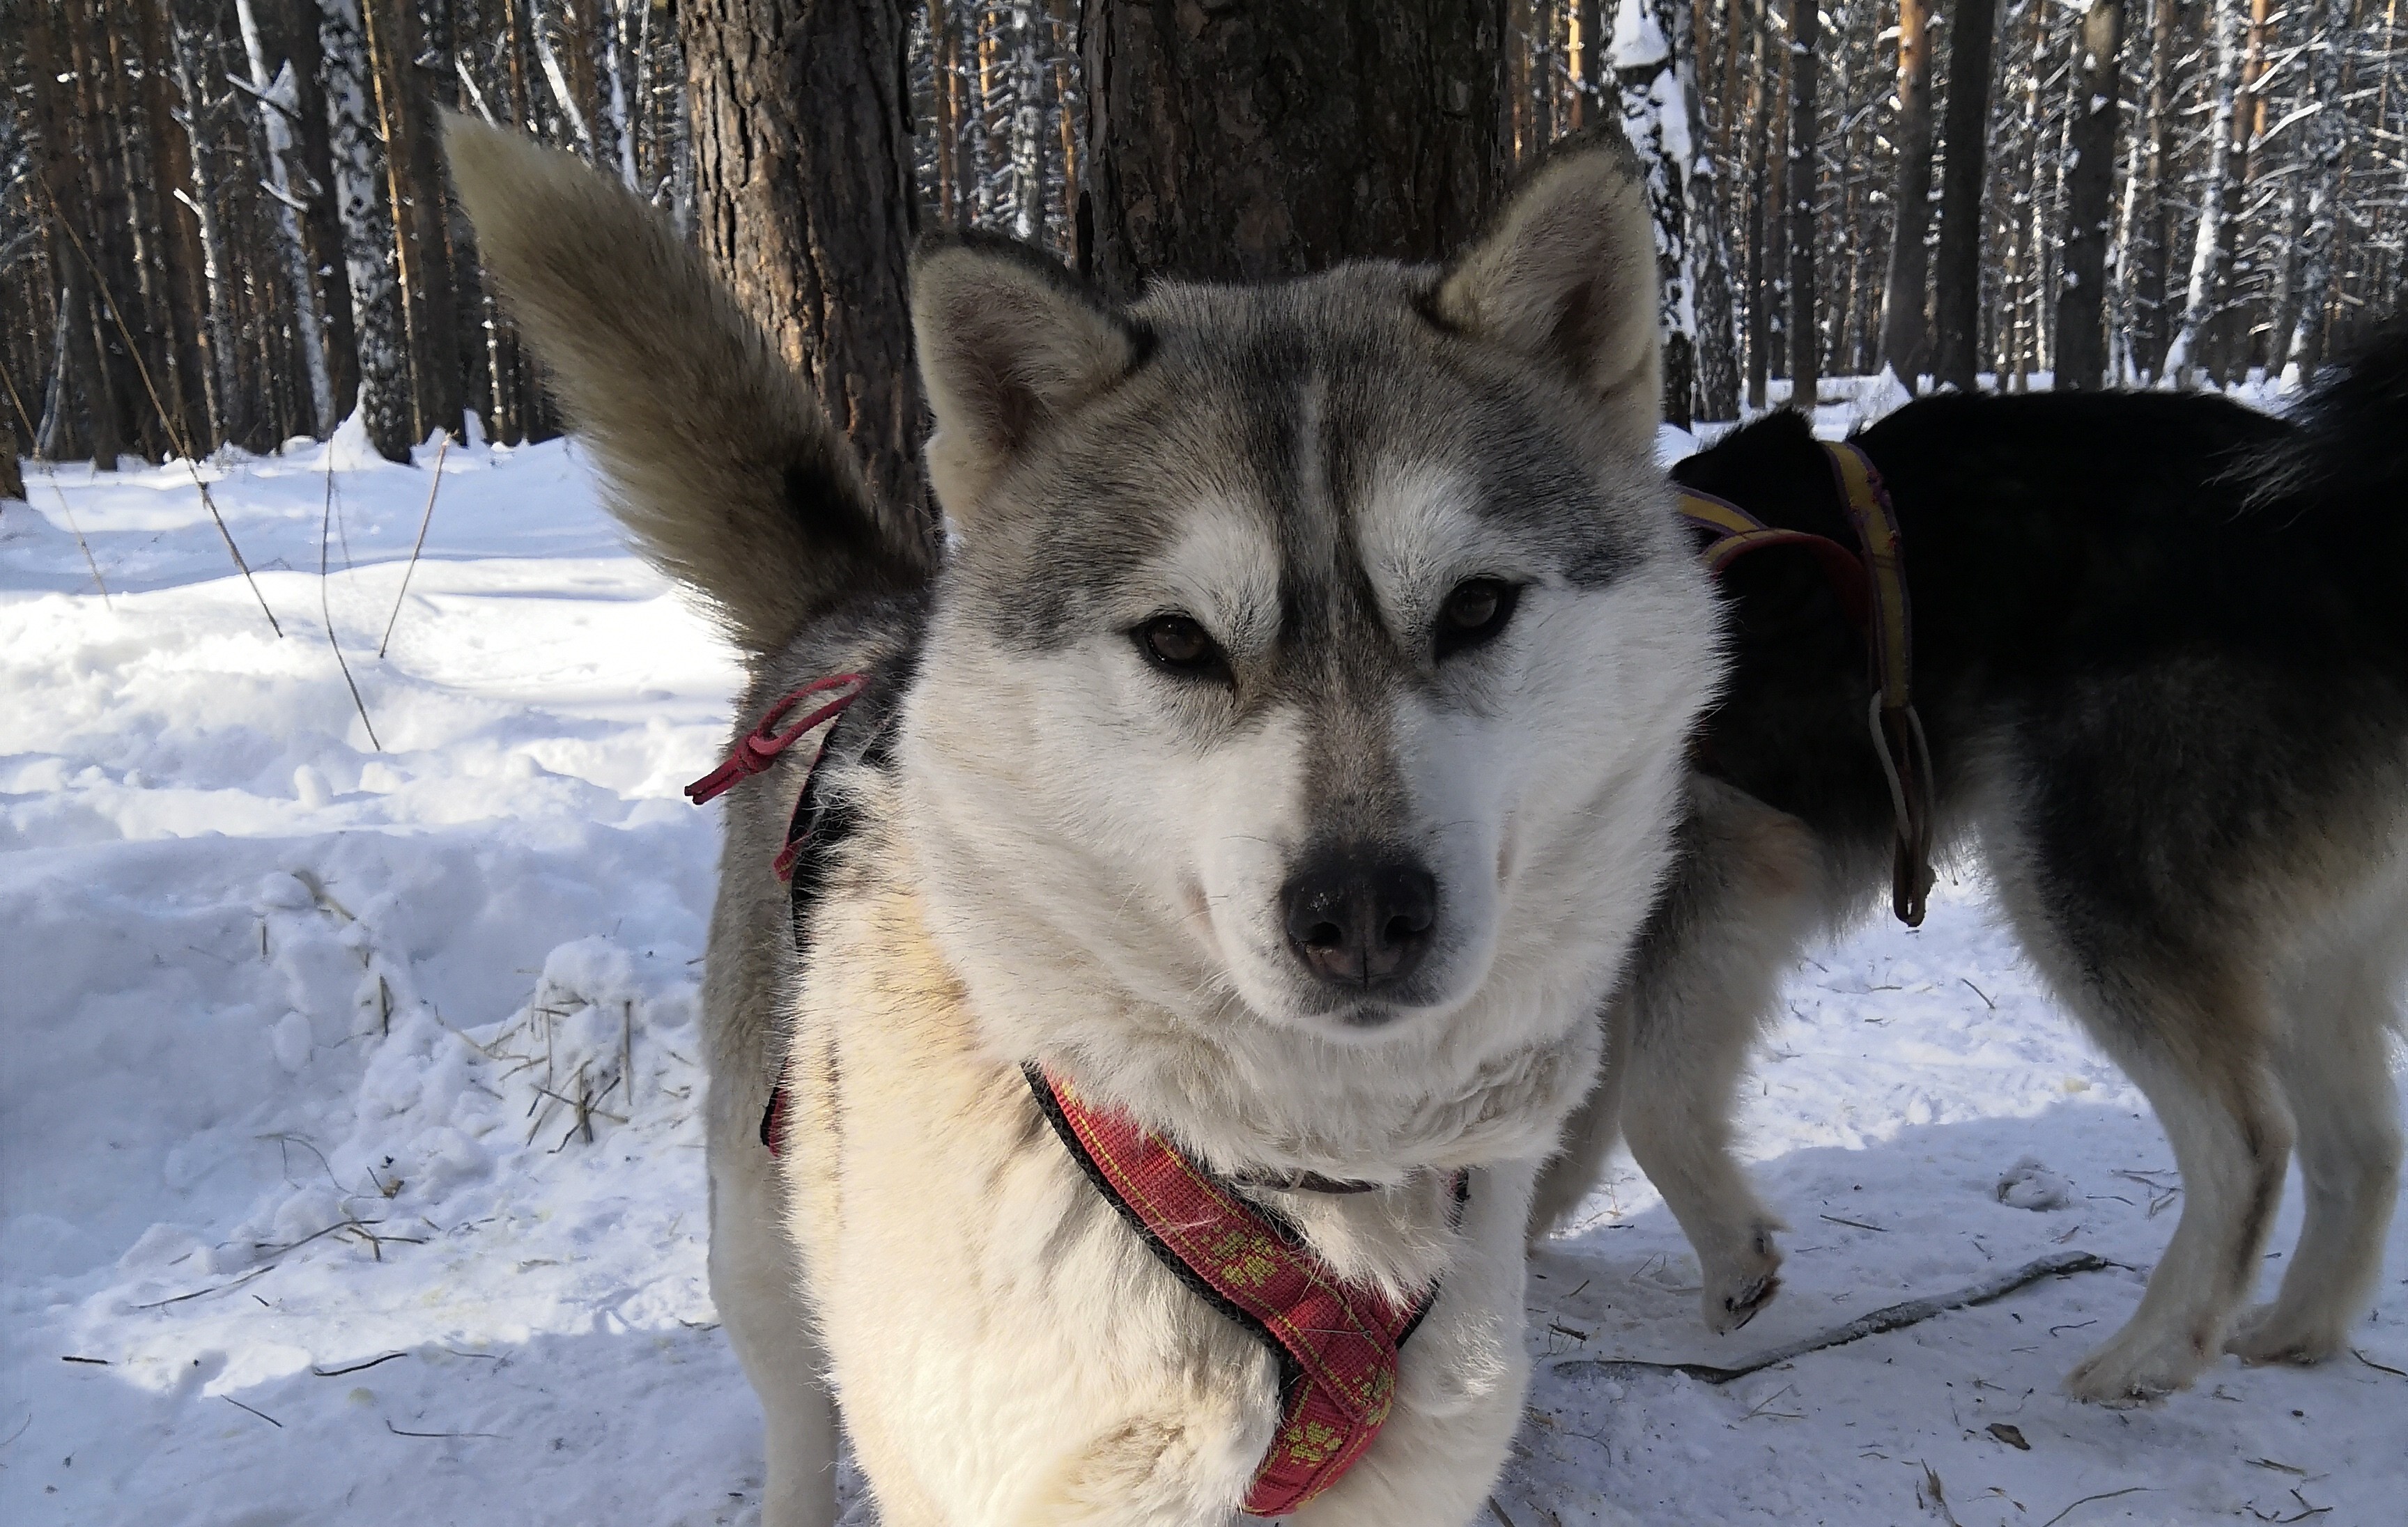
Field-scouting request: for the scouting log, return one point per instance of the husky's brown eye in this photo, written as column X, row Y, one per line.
column 1177, row 643
column 1474, row 613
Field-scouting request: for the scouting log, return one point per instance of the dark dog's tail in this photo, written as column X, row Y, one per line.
column 719, row 459
column 2350, row 447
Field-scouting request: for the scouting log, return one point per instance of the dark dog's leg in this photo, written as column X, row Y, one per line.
column 2336, row 1073
column 2191, row 1020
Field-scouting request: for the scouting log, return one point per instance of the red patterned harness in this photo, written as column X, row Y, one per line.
column 1336, row 1344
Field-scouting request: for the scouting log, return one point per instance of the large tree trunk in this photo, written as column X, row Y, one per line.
column 60, row 173
column 1710, row 279
column 2211, row 250
column 1755, row 146
column 1805, row 335
column 2153, row 332
column 1657, row 122
column 1905, row 337
column 1236, row 144
column 384, row 403
column 178, row 240
column 804, row 202
column 1957, row 296
column 277, row 104
column 1028, row 108
column 2328, row 139
column 2082, row 295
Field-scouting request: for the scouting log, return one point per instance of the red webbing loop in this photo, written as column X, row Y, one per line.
column 759, row 748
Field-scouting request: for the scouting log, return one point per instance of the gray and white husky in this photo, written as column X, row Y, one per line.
column 1286, row 751
column 2161, row 650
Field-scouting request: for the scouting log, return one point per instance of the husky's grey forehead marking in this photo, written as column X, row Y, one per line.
column 1300, row 403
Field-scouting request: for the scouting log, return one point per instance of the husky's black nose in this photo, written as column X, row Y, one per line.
column 1361, row 921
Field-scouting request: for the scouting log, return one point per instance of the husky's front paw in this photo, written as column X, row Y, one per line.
column 2271, row 1334
column 2135, row 1369
column 1739, row 1286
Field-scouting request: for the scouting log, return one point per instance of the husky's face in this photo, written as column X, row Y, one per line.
column 1317, row 648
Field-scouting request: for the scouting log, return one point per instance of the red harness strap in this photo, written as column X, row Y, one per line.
column 1337, row 1345
column 758, row 749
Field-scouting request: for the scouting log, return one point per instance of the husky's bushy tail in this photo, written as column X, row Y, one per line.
column 2350, row 445
column 719, row 460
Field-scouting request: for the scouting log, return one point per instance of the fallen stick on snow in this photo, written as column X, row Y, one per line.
column 1913, row 1311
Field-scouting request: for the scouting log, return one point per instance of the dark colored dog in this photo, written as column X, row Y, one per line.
column 2161, row 654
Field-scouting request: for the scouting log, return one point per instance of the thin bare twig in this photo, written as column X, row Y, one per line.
column 356, row 1367
column 2062, row 1264
column 167, row 420
column 260, row 1414
column 325, row 522
column 2379, row 1368
column 199, row 1293
column 424, row 520
column 89, row 560
column 2103, row 1495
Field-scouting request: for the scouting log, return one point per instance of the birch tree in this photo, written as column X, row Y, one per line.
column 384, row 406
column 1655, row 120
column 2210, row 253
column 278, row 100
column 2328, row 131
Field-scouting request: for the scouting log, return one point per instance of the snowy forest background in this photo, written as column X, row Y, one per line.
column 226, row 221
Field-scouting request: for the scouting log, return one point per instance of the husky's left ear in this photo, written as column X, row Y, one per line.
column 1566, row 276
column 1009, row 341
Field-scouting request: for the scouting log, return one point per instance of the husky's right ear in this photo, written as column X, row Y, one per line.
column 1008, row 340
column 1566, row 277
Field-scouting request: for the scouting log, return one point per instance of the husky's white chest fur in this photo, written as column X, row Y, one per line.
column 1006, row 1349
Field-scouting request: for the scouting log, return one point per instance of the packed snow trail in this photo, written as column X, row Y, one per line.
column 352, row 1170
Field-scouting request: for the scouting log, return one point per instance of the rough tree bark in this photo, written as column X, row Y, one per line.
column 384, row 401
column 2151, row 334
column 1028, row 104
column 803, row 201
column 1805, row 335
column 1759, row 194
column 1655, row 120
column 200, row 194
column 2211, row 250
column 1709, row 275
column 1956, row 292
column 2082, row 294
column 1239, row 144
column 83, row 369
column 1904, row 336
column 2327, row 138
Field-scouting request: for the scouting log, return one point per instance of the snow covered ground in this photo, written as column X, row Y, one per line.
column 352, row 1174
